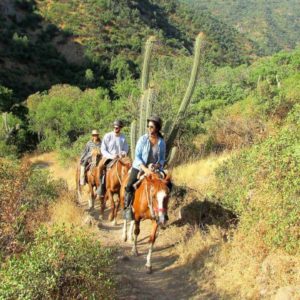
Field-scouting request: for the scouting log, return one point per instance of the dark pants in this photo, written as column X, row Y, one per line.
column 132, row 180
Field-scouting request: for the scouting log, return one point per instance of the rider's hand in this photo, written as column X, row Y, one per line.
column 123, row 153
column 148, row 172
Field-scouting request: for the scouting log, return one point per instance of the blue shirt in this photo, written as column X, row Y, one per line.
column 142, row 152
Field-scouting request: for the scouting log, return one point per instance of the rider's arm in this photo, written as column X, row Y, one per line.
column 125, row 147
column 85, row 151
column 104, row 147
column 139, row 152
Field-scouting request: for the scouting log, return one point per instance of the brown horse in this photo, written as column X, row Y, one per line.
column 150, row 202
column 114, row 177
column 92, row 178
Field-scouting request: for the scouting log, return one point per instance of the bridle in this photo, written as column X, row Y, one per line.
column 119, row 160
column 153, row 211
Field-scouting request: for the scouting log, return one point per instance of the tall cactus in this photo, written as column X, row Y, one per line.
column 189, row 91
column 149, row 95
column 146, row 65
column 132, row 137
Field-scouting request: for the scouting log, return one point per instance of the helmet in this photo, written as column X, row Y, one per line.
column 95, row 132
column 118, row 123
column 157, row 120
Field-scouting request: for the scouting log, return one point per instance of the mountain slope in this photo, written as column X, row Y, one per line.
column 90, row 43
column 273, row 25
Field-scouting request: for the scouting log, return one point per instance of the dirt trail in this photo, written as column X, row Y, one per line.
column 167, row 281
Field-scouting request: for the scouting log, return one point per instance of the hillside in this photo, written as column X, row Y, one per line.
column 273, row 25
column 94, row 42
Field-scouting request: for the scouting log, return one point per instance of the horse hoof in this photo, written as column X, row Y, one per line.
column 110, row 218
column 148, row 269
column 135, row 253
column 114, row 222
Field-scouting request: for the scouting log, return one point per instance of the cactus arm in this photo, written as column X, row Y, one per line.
column 146, row 65
column 132, row 138
column 189, row 92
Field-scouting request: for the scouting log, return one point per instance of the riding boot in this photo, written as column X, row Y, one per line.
column 127, row 214
column 82, row 175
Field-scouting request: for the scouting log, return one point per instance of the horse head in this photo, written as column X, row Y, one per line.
column 159, row 194
column 96, row 154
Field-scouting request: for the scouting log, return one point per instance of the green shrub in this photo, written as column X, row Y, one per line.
column 26, row 193
column 268, row 173
column 59, row 265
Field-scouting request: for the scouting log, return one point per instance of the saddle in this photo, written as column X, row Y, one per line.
column 111, row 163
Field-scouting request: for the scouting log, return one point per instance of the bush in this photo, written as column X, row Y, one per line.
column 25, row 196
column 59, row 265
column 262, row 185
column 57, row 115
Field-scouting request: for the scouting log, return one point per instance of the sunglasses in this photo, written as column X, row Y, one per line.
column 117, row 127
column 151, row 126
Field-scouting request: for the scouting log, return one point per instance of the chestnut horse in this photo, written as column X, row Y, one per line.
column 92, row 178
column 114, row 177
column 150, row 202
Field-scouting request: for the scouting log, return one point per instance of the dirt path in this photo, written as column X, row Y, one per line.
column 167, row 281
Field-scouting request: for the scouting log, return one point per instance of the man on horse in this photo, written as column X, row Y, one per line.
column 114, row 145
column 150, row 155
column 95, row 142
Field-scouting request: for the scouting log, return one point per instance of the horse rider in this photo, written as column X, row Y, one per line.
column 150, row 153
column 113, row 145
column 95, row 142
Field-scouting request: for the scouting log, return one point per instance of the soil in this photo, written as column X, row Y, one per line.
column 168, row 280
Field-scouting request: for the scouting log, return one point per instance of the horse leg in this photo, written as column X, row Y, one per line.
column 151, row 241
column 91, row 197
column 116, row 200
column 124, row 234
column 102, row 206
column 136, row 233
column 131, row 237
column 112, row 205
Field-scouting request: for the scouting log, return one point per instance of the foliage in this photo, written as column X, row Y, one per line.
column 58, row 114
column 270, row 168
column 272, row 25
column 23, row 190
column 59, row 265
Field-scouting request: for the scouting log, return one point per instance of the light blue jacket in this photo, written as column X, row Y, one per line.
column 142, row 150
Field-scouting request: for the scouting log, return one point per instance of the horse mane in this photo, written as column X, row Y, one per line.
column 157, row 181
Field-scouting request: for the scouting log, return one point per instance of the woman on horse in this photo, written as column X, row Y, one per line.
column 150, row 155
column 95, row 142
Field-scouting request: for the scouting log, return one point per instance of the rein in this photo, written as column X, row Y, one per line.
column 118, row 176
column 150, row 202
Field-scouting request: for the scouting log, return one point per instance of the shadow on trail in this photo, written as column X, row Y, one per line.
column 201, row 212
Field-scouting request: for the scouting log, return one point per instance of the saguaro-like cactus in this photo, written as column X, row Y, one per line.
column 189, row 91
column 149, row 95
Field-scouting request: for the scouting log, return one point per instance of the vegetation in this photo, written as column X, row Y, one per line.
column 274, row 26
column 241, row 124
column 26, row 194
column 59, row 264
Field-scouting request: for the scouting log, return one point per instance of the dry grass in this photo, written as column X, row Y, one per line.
column 197, row 248
column 244, row 267
column 66, row 212
column 49, row 161
column 199, row 175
